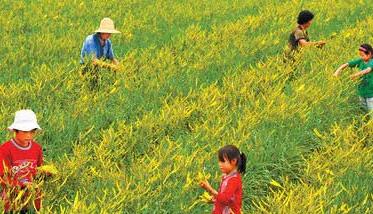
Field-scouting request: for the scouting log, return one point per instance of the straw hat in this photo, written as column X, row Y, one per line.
column 106, row 26
column 25, row 120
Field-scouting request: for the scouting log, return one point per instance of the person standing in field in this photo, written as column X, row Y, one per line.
column 299, row 36
column 228, row 199
column 19, row 159
column 97, row 50
column 365, row 65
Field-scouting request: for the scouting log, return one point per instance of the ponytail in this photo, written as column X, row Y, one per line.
column 242, row 163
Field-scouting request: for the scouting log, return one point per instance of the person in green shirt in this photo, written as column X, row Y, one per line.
column 365, row 65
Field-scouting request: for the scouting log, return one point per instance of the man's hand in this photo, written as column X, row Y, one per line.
column 116, row 68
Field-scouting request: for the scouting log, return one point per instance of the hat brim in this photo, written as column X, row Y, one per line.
column 24, row 127
column 107, row 31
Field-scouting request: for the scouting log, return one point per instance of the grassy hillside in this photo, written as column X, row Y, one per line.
column 197, row 75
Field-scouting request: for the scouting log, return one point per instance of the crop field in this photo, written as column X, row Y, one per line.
column 196, row 75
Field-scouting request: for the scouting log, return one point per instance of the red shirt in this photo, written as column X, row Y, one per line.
column 20, row 161
column 229, row 195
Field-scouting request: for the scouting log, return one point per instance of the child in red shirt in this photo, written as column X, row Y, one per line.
column 19, row 159
column 228, row 199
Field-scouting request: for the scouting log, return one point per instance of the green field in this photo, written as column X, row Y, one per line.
column 196, row 75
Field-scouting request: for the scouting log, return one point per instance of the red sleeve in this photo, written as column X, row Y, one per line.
column 4, row 159
column 41, row 158
column 4, row 163
column 226, row 197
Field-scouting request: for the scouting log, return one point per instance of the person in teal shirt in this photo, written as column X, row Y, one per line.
column 365, row 65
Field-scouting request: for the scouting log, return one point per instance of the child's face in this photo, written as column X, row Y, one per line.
column 364, row 56
column 227, row 166
column 24, row 137
column 308, row 24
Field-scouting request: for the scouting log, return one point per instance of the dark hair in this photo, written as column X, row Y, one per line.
column 366, row 48
column 305, row 16
column 231, row 152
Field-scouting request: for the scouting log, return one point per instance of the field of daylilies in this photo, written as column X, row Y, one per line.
column 195, row 75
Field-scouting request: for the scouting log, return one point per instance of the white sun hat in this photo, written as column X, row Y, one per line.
column 25, row 120
column 107, row 26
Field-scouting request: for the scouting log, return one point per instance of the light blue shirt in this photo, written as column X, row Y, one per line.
column 92, row 47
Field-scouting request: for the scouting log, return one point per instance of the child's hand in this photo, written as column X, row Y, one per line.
column 320, row 44
column 337, row 73
column 355, row 76
column 205, row 185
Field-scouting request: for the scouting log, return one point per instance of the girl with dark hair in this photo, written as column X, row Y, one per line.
column 299, row 36
column 228, row 199
column 365, row 65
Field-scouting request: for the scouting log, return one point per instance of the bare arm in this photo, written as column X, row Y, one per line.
column 304, row 43
column 340, row 69
column 360, row 73
column 206, row 185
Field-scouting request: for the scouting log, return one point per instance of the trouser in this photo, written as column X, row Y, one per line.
column 367, row 103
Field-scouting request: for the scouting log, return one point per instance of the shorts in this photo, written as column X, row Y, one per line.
column 367, row 103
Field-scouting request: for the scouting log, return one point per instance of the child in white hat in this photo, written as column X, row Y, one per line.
column 19, row 159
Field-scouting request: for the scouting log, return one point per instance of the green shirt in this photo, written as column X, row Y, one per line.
column 365, row 87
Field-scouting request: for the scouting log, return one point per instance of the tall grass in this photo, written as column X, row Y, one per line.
column 197, row 75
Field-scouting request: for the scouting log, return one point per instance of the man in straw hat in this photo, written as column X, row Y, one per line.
column 98, row 45
column 19, row 159
column 98, row 48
